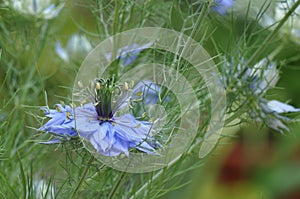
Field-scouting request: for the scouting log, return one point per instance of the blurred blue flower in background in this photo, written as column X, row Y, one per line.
column 61, row 124
column 280, row 107
column 264, row 75
column 44, row 9
column 148, row 91
column 269, row 112
column 253, row 84
column 77, row 48
column 128, row 54
column 221, row 6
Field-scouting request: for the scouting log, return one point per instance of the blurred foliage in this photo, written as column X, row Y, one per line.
column 249, row 163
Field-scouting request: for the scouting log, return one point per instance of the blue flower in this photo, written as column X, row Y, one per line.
column 61, row 124
column 148, row 91
column 115, row 135
column 128, row 54
column 221, row 6
column 109, row 134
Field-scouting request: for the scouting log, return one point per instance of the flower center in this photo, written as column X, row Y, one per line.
column 103, row 99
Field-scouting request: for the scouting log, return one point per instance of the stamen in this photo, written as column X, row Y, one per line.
column 131, row 84
column 126, row 86
column 58, row 109
column 68, row 115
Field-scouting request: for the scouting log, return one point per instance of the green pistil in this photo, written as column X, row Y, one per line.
column 104, row 89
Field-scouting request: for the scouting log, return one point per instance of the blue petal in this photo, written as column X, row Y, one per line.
column 221, row 6
column 128, row 54
column 280, row 107
column 61, row 121
column 150, row 92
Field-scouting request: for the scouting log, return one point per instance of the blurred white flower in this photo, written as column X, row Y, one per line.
column 39, row 8
column 270, row 13
column 77, row 48
column 276, row 12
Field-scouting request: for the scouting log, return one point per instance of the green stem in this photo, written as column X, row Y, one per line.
column 116, row 17
column 276, row 52
column 236, row 115
column 83, row 176
column 270, row 36
column 115, row 188
column 95, row 174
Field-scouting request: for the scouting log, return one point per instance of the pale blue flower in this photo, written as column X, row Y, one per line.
column 38, row 8
column 111, row 134
column 269, row 113
column 246, row 84
column 77, row 48
column 61, row 123
column 115, row 135
column 221, row 6
column 128, row 54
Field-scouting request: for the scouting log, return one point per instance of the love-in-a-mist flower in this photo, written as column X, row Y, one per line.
column 109, row 133
column 222, row 6
column 128, row 54
column 45, row 9
column 61, row 123
column 264, row 76
column 77, row 48
column 249, row 85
